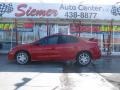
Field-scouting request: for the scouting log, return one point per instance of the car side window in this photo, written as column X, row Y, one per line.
column 72, row 39
column 49, row 40
column 62, row 40
column 43, row 41
column 52, row 40
column 67, row 39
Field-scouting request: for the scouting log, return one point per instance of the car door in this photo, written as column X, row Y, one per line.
column 67, row 47
column 45, row 49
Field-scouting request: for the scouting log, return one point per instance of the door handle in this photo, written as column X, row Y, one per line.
column 50, row 48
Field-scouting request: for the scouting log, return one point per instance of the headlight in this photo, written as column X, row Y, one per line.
column 11, row 49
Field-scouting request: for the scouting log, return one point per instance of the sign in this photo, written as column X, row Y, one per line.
column 28, row 24
column 107, row 28
column 24, row 30
column 94, row 28
column 6, row 26
column 84, row 28
column 63, row 11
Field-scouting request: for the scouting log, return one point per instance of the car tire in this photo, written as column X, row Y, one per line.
column 22, row 58
column 83, row 59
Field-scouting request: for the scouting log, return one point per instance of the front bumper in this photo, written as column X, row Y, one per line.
column 11, row 56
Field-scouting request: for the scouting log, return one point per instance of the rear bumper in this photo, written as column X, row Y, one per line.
column 96, row 54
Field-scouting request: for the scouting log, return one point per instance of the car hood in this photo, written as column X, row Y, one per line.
column 22, row 46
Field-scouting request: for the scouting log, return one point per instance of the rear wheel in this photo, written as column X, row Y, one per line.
column 22, row 58
column 83, row 58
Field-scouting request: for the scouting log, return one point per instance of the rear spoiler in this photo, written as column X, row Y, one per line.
column 93, row 39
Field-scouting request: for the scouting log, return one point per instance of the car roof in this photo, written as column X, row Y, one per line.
column 59, row 34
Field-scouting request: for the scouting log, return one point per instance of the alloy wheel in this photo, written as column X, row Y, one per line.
column 84, row 59
column 22, row 58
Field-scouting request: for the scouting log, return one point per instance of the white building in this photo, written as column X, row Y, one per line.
column 25, row 22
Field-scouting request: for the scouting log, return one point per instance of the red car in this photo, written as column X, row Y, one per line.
column 57, row 47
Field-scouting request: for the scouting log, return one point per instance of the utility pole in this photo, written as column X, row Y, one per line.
column 16, row 33
column 47, row 23
column 79, row 27
column 110, row 38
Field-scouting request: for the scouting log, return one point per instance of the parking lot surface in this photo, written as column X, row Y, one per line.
column 100, row 75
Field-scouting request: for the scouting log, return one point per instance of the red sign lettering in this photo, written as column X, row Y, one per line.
column 23, row 10
column 83, row 28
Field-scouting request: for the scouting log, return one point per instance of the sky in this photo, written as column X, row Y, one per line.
column 101, row 2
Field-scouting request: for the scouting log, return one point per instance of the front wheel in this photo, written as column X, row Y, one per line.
column 83, row 58
column 22, row 58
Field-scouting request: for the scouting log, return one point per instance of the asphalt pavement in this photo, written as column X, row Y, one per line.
column 103, row 74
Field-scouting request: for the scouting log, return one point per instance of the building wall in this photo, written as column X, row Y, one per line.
column 29, row 31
